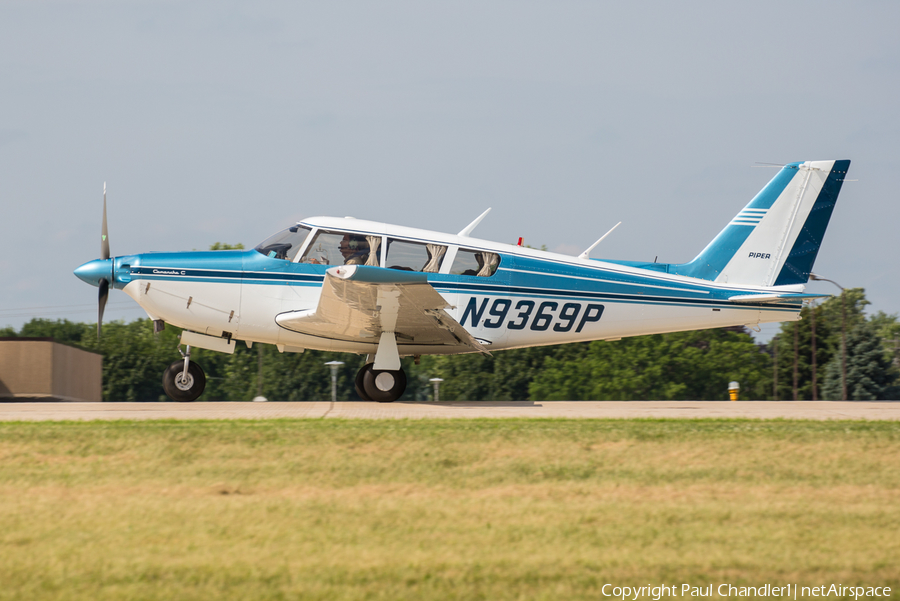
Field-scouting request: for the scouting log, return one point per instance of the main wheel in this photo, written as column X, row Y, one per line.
column 384, row 386
column 358, row 384
column 187, row 390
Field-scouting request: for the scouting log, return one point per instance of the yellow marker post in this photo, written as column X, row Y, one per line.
column 733, row 389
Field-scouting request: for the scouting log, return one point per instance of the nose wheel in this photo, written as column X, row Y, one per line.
column 380, row 385
column 184, row 380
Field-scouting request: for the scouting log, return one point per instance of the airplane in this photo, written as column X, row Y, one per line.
column 388, row 291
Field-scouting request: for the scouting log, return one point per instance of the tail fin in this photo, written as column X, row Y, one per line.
column 774, row 240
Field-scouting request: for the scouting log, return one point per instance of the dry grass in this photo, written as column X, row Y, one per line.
column 480, row 509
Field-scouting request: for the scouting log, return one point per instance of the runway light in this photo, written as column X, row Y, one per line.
column 334, row 365
column 437, row 384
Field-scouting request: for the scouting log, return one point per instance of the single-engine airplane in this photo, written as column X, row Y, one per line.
column 345, row 284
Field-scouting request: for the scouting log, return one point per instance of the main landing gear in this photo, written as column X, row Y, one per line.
column 381, row 385
column 184, row 381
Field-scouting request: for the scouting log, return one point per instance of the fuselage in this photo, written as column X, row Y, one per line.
column 506, row 296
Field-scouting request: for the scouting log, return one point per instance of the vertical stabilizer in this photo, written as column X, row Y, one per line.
column 774, row 240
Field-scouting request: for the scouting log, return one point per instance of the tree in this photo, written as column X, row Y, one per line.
column 503, row 376
column 888, row 328
column 826, row 345
column 854, row 302
column 304, row 376
column 62, row 330
column 829, row 318
column 870, row 375
column 466, row 377
column 683, row 365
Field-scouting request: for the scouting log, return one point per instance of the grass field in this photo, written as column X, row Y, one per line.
column 455, row 509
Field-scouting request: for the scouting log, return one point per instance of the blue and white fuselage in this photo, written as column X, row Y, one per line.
column 345, row 284
column 533, row 298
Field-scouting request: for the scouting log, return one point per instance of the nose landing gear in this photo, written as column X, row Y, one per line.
column 380, row 385
column 184, row 381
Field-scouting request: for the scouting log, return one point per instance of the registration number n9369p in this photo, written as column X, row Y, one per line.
column 534, row 315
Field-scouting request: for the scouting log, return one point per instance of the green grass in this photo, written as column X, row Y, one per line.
column 442, row 509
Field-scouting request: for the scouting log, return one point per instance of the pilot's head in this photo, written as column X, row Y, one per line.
column 354, row 245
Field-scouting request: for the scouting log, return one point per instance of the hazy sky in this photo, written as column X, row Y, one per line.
column 225, row 121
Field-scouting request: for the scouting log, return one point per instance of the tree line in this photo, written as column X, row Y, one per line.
column 694, row 365
column 808, row 356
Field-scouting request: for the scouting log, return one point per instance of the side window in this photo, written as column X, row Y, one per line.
column 342, row 248
column 473, row 262
column 414, row 256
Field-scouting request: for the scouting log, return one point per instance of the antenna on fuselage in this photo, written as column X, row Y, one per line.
column 587, row 254
column 468, row 229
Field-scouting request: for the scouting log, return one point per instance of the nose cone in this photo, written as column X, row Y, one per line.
column 93, row 271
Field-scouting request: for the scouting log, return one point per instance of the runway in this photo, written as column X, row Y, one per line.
column 820, row 410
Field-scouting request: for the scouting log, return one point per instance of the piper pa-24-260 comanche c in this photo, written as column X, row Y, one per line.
column 344, row 284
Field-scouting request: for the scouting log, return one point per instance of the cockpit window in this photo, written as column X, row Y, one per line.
column 474, row 262
column 342, row 248
column 285, row 244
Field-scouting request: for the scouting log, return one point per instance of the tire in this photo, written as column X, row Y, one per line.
column 358, row 384
column 384, row 386
column 178, row 391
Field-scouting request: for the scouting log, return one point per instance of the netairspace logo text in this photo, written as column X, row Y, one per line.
column 791, row 591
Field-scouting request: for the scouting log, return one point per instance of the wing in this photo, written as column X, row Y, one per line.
column 361, row 303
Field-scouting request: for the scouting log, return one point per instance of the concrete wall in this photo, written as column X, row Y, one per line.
column 42, row 368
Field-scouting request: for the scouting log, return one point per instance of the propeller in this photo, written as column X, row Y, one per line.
column 104, row 254
column 104, row 233
column 104, row 294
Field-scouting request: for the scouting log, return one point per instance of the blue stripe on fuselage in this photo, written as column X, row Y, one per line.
column 518, row 276
column 178, row 273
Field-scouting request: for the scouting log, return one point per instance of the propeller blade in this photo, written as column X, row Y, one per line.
column 104, row 233
column 104, row 295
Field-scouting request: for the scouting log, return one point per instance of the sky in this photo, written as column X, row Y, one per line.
column 227, row 121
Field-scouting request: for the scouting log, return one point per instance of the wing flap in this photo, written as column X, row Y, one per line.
column 359, row 303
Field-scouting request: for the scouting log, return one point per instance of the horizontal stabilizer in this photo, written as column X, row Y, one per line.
column 785, row 297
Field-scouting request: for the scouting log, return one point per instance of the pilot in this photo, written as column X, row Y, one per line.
column 355, row 249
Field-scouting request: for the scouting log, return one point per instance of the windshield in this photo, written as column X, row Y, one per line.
column 285, row 244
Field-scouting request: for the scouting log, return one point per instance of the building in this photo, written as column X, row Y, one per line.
column 41, row 369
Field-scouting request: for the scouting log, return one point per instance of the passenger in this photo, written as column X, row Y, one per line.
column 355, row 249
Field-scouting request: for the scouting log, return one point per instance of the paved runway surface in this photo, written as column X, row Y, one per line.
column 402, row 410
